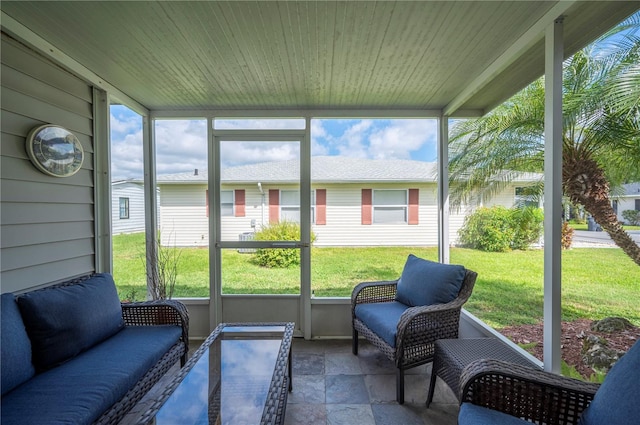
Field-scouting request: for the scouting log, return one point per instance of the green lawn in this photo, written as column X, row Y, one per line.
column 597, row 282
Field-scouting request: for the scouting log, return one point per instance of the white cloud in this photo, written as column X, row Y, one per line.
column 181, row 145
column 400, row 139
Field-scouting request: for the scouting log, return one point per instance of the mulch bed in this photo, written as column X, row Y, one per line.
column 572, row 335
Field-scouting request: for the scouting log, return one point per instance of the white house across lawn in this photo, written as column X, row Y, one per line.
column 629, row 200
column 355, row 202
column 127, row 207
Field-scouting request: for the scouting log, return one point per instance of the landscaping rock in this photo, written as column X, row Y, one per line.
column 597, row 355
column 611, row 324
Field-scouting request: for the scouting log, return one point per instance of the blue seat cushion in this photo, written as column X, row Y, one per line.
column 16, row 366
column 81, row 390
column 471, row 414
column 425, row 282
column 64, row 321
column 615, row 402
column 382, row 318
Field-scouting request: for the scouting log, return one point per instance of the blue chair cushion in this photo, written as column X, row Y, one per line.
column 16, row 366
column 425, row 282
column 382, row 318
column 471, row 414
column 64, row 321
column 81, row 390
column 615, row 402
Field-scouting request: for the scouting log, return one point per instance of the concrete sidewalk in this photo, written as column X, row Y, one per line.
column 585, row 238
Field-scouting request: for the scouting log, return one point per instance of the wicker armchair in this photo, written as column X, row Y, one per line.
column 493, row 391
column 417, row 329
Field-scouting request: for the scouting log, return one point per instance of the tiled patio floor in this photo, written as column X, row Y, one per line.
column 332, row 386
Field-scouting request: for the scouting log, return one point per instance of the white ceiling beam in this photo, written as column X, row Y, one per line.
column 301, row 113
column 528, row 39
column 28, row 37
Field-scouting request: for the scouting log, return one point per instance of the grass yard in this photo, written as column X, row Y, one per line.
column 597, row 282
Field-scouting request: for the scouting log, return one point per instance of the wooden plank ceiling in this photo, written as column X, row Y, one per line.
column 302, row 55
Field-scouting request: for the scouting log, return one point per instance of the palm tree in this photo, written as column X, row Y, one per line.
column 601, row 134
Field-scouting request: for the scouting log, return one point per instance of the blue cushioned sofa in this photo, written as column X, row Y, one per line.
column 495, row 392
column 73, row 354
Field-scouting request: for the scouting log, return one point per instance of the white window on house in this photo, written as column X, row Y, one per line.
column 290, row 206
column 124, row 208
column 637, row 208
column 614, row 205
column 524, row 197
column 226, row 203
column 389, row 206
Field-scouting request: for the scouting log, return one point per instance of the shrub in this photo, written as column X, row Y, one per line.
column 632, row 217
column 499, row 229
column 527, row 224
column 279, row 257
column 488, row 229
column 567, row 235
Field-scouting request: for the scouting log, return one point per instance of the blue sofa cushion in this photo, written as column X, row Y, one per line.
column 471, row 414
column 81, row 390
column 16, row 366
column 425, row 282
column 382, row 318
column 615, row 402
column 64, row 321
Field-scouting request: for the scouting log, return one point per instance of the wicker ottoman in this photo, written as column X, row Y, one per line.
column 452, row 355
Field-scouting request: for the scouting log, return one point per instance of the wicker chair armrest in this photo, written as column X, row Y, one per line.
column 160, row 312
column 374, row 292
column 523, row 392
column 429, row 323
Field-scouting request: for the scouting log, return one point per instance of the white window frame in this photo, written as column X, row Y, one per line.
column 292, row 207
column 526, row 200
column 124, row 207
column 377, row 219
column 226, row 213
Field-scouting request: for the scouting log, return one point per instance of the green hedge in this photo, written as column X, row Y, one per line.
column 500, row 229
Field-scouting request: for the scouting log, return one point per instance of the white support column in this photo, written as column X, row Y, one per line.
column 150, row 197
column 102, row 186
column 553, row 196
column 215, row 255
column 443, row 189
column 305, row 230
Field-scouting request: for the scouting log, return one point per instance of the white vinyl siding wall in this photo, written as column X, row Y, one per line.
column 183, row 214
column 47, row 222
column 135, row 222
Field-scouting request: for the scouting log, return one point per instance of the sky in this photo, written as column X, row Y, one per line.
column 181, row 145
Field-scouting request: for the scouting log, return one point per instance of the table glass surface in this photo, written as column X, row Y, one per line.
column 230, row 382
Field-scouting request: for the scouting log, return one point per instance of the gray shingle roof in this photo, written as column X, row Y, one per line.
column 329, row 169
column 631, row 189
column 333, row 169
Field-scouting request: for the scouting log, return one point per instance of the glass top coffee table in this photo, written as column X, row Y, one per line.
column 241, row 374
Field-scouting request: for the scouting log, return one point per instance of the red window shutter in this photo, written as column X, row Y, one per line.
column 274, row 205
column 239, row 203
column 207, row 200
column 321, row 206
column 414, row 201
column 367, row 211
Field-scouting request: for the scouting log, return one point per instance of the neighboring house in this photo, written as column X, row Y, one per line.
column 127, row 207
column 629, row 200
column 355, row 202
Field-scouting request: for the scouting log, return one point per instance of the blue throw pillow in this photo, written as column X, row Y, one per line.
column 425, row 282
column 615, row 402
column 16, row 366
column 64, row 321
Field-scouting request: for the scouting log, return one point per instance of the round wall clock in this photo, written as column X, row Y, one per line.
column 55, row 150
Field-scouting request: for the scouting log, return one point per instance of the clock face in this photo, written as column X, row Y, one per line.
column 55, row 150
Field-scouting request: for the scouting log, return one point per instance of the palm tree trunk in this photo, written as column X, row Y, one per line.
column 584, row 183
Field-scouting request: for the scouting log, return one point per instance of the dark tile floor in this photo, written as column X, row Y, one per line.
column 332, row 386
